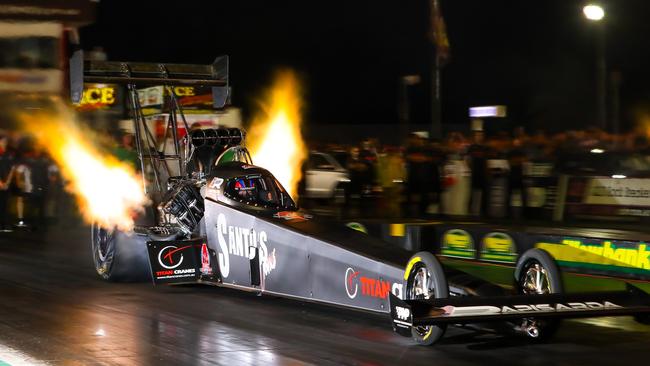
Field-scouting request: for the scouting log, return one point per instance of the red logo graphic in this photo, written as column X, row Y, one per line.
column 205, row 260
column 170, row 257
column 351, row 286
column 292, row 215
column 369, row 286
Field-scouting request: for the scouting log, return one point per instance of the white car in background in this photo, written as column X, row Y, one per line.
column 325, row 178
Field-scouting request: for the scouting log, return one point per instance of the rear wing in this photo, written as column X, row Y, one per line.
column 148, row 74
column 135, row 74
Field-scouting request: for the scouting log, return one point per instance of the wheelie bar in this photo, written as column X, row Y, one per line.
column 473, row 309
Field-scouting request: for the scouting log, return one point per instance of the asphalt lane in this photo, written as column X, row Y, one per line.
column 55, row 310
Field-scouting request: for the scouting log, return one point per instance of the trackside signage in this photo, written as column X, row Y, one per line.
column 498, row 247
column 609, row 191
column 457, row 243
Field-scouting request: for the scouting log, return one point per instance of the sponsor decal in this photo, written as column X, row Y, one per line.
column 402, row 313
column 457, row 243
column 243, row 242
column 292, row 216
column 266, row 266
column 498, row 247
column 619, row 256
column 205, row 260
column 370, row 286
column 176, row 273
column 461, row 311
column 215, row 183
column 351, row 286
column 171, row 256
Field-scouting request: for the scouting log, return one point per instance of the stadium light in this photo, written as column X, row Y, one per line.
column 594, row 12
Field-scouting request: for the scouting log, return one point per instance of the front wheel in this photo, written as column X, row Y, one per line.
column 537, row 273
column 118, row 256
column 425, row 279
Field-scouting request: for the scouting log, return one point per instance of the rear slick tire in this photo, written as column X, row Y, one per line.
column 425, row 279
column 118, row 256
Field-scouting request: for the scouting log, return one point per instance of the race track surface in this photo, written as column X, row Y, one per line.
column 55, row 310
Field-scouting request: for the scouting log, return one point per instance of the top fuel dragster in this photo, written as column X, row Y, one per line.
column 220, row 220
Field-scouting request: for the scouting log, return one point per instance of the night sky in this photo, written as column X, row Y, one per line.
column 538, row 58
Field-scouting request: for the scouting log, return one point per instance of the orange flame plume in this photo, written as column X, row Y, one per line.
column 109, row 192
column 274, row 138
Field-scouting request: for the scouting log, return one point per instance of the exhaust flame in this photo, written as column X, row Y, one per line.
column 109, row 192
column 274, row 138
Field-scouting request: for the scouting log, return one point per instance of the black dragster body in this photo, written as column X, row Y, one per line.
column 219, row 220
column 264, row 247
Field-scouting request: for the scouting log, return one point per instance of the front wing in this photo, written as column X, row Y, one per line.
column 478, row 309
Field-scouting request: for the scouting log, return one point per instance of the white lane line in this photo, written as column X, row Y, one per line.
column 13, row 357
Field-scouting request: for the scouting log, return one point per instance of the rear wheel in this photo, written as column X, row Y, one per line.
column 538, row 274
column 118, row 256
column 103, row 248
column 425, row 279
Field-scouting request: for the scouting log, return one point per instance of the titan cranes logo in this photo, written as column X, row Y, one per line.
column 370, row 287
column 171, row 256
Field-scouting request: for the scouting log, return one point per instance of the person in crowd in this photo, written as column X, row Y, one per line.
column 359, row 171
column 438, row 158
column 517, row 189
column 368, row 152
column 125, row 150
column 40, row 176
column 390, row 169
column 477, row 155
column 55, row 191
column 457, row 185
column 419, row 181
column 22, row 178
column 7, row 157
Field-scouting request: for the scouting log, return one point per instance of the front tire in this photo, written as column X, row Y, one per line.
column 425, row 279
column 537, row 273
column 118, row 256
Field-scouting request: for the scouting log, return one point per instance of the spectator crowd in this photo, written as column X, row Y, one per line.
column 30, row 184
column 467, row 174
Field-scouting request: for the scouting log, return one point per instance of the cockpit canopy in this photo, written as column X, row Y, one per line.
column 254, row 186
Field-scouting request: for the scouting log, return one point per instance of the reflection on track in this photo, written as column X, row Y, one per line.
column 54, row 309
column 13, row 357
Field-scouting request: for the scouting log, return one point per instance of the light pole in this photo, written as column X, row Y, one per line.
column 595, row 13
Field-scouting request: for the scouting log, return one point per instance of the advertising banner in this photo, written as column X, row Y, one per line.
column 578, row 254
column 610, row 191
column 193, row 99
column 105, row 97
